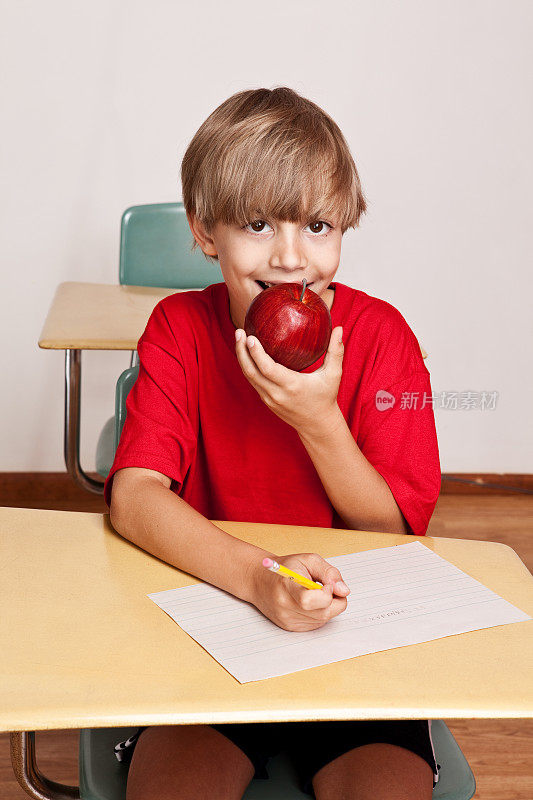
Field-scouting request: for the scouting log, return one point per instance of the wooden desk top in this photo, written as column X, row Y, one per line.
column 82, row 645
column 99, row 316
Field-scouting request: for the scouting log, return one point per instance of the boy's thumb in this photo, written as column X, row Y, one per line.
column 340, row 588
column 335, row 347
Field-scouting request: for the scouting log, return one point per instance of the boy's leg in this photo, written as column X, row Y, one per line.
column 187, row 761
column 375, row 772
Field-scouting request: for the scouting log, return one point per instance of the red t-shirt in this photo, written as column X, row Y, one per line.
column 193, row 416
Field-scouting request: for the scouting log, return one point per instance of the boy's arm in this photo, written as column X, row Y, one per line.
column 146, row 512
column 384, row 475
column 359, row 494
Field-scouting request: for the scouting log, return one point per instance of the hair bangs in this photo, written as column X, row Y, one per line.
column 291, row 181
column 272, row 155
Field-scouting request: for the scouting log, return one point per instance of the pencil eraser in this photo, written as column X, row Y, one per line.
column 267, row 562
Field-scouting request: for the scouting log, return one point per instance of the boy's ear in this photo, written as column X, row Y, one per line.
column 204, row 240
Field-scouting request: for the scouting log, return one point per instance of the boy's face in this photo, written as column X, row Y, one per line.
column 273, row 252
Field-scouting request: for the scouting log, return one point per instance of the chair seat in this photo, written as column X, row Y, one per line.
column 102, row 777
column 456, row 779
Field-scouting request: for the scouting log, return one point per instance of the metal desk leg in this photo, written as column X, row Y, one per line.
column 72, row 424
column 29, row 777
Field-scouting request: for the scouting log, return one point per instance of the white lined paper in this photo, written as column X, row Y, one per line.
column 400, row 595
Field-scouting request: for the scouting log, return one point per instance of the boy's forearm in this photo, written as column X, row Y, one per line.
column 357, row 491
column 157, row 520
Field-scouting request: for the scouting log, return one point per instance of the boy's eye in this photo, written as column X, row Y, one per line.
column 319, row 227
column 260, row 226
column 257, row 226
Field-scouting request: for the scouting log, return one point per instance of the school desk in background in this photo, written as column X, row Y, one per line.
column 155, row 261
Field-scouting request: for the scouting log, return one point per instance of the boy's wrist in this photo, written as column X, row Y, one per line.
column 323, row 427
column 253, row 572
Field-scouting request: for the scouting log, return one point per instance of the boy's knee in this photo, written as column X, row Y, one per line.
column 376, row 771
column 193, row 760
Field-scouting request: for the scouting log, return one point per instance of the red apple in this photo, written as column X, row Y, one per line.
column 292, row 323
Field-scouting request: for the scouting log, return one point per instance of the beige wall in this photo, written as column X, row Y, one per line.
column 99, row 101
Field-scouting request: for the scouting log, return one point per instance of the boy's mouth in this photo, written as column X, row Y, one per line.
column 265, row 285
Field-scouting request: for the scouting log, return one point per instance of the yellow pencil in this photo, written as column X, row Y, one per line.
column 273, row 566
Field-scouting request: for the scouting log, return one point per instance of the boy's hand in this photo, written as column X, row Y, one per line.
column 291, row 606
column 300, row 399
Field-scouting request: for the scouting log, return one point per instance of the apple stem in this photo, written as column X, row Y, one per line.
column 304, row 282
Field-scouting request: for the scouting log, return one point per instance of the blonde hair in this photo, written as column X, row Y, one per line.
column 270, row 153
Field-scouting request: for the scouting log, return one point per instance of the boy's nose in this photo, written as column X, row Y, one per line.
column 288, row 254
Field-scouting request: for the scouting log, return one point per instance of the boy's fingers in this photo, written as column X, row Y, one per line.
column 340, row 588
column 315, row 599
column 333, row 361
column 327, row 574
column 321, row 600
column 338, row 606
column 335, row 342
column 260, row 359
column 249, row 366
column 335, row 352
column 319, row 603
column 257, row 366
column 310, row 599
column 334, row 590
column 269, row 368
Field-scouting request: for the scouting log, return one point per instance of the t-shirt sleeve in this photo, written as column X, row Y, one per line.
column 397, row 431
column 157, row 433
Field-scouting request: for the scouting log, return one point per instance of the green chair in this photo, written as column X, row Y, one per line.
column 102, row 777
column 155, row 250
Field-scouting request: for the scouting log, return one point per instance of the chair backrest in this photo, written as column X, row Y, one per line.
column 124, row 384
column 155, row 250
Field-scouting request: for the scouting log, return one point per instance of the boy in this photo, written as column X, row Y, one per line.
column 217, row 430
